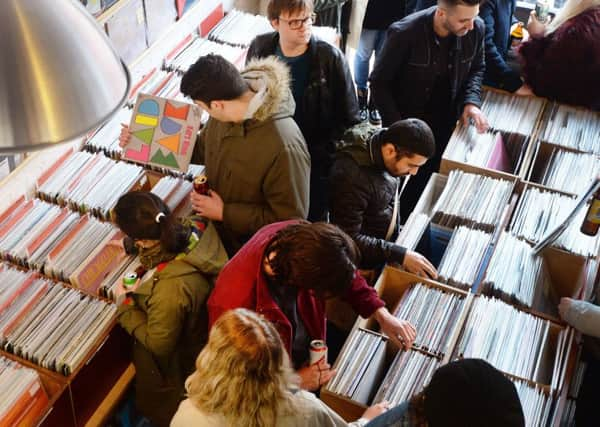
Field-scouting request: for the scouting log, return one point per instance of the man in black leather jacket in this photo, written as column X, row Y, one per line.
column 368, row 172
column 431, row 67
column 322, row 86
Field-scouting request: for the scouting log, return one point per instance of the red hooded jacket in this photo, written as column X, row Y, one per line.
column 242, row 283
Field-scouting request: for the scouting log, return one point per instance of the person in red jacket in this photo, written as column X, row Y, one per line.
column 285, row 273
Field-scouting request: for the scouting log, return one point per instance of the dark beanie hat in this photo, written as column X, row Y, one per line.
column 472, row 393
column 413, row 135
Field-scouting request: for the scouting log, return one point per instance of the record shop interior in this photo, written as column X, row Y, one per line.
column 499, row 249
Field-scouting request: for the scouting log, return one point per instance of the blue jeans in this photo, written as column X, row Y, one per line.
column 370, row 40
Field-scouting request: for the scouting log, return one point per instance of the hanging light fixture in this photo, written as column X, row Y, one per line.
column 59, row 75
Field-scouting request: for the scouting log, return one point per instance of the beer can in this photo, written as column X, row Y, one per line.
column 317, row 351
column 542, row 10
column 129, row 280
column 201, row 184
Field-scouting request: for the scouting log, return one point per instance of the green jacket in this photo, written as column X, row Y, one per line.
column 167, row 317
column 260, row 167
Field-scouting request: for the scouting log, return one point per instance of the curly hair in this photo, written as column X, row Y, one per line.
column 317, row 256
column 243, row 374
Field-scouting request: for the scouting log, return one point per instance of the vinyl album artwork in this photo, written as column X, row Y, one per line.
column 163, row 132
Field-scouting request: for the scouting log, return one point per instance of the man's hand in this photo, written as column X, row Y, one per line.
column 314, row 376
column 564, row 308
column 401, row 332
column 473, row 112
column 524, row 91
column 210, row 206
column 125, row 135
column 417, row 264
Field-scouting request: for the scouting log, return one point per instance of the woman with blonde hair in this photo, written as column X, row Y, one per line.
column 244, row 378
column 561, row 60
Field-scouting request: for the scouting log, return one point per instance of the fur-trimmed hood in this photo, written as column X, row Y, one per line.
column 270, row 79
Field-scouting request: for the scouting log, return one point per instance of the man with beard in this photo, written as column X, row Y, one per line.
column 431, row 68
column 366, row 180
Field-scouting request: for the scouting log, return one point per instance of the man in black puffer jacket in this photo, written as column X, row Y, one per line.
column 326, row 103
column 366, row 178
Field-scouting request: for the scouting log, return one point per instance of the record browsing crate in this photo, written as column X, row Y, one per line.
column 541, row 161
column 555, row 363
column 517, row 148
column 74, row 398
column 511, row 162
column 391, row 286
column 435, row 188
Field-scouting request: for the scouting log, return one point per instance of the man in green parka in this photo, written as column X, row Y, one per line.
column 256, row 159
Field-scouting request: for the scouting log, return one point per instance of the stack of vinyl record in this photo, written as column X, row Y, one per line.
column 488, row 150
column 434, row 314
column 76, row 246
column 511, row 113
column 32, row 229
column 159, row 83
column 558, row 172
column 535, row 403
column 172, row 190
column 463, row 256
column 572, row 127
column 540, row 211
column 90, row 183
column 410, row 372
column 200, row 47
column 515, row 273
column 23, row 397
column 239, row 28
column 468, row 146
column 470, row 199
column 53, row 326
column 106, row 138
column 513, row 341
column 412, row 231
column 358, row 365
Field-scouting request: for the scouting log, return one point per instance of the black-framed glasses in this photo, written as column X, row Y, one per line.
column 296, row 24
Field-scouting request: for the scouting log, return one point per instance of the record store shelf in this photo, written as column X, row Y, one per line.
column 88, row 392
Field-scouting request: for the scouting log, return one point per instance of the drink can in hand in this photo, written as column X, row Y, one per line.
column 201, row 185
column 317, row 351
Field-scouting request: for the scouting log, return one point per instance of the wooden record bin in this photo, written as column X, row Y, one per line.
column 391, row 286
column 518, row 148
column 73, row 399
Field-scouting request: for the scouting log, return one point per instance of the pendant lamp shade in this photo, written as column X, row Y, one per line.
column 59, row 75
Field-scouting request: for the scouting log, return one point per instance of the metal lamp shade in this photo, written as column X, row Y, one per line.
column 59, row 75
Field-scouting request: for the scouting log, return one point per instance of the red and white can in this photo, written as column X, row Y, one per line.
column 317, row 351
column 201, row 185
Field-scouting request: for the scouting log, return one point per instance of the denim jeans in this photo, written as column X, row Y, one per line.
column 370, row 40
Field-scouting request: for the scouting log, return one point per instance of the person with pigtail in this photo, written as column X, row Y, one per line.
column 166, row 310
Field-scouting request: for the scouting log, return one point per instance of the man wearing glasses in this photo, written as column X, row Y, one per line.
column 321, row 84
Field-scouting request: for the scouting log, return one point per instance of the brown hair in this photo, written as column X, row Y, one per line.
column 243, row 374
column 316, row 256
column 276, row 7
column 213, row 78
column 137, row 215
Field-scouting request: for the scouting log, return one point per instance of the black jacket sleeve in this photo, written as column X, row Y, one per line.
column 471, row 93
column 350, row 193
column 346, row 106
column 383, row 77
column 496, row 67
